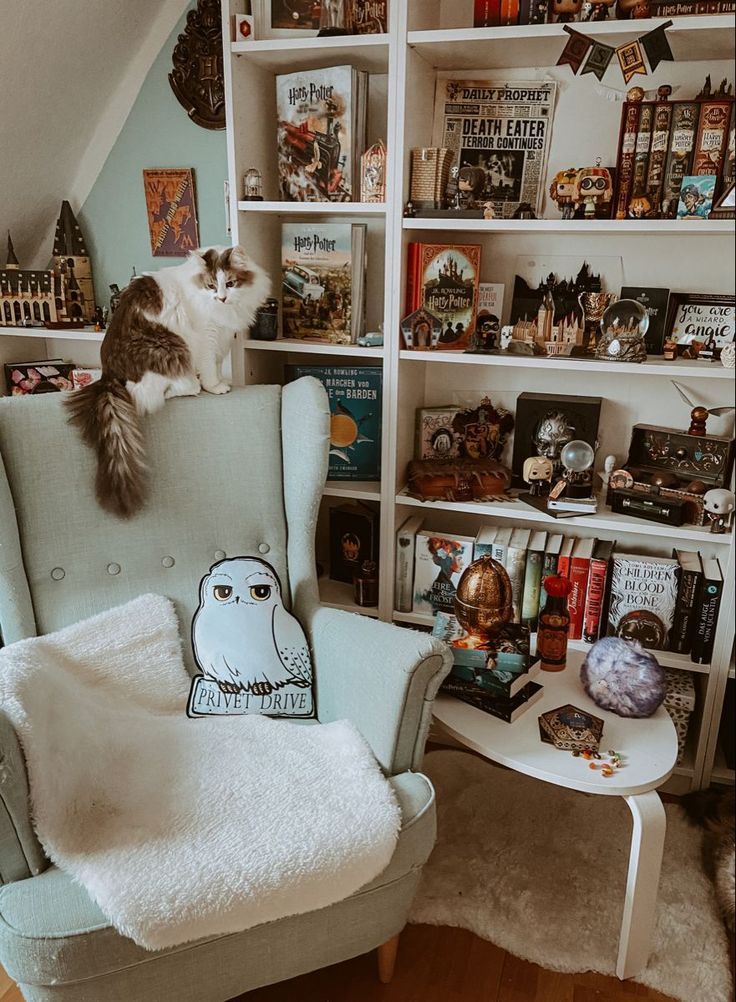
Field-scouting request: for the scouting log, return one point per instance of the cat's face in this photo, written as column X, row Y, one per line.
column 225, row 275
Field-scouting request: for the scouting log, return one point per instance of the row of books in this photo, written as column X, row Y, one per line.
column 663, row 142
column 664, row 603
column 495, row 13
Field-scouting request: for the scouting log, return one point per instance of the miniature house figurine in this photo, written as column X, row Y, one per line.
column 72, row 268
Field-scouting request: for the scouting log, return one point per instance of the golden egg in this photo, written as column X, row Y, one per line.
column 483, row 600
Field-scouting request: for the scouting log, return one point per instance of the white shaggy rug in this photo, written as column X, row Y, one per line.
column 540, row 871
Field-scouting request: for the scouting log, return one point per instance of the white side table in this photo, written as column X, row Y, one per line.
column 649, row 748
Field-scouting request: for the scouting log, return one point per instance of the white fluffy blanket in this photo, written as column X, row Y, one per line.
column 180, row 828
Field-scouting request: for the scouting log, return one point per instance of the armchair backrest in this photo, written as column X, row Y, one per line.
column 217, row 472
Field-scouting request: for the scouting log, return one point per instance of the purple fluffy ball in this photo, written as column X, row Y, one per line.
column 619, row 675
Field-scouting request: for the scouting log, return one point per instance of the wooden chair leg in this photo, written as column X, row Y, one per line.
column 387, row 959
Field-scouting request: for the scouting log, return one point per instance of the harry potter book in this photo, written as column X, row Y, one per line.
column 685, row 116
column 439, row 565
column 444, row 279
column 626, row 157
column 643, row 148
column 321, row 133
column 370, row 17
column 711, row 141
column 323, row 280
column 658, row 152
column 355, row 398
column 643, row 598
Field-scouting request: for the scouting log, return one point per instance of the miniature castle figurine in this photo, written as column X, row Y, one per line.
column 60, row 294
column 26, row 296
column 70, row 258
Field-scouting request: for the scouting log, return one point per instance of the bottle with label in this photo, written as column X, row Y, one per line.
column 554, row 625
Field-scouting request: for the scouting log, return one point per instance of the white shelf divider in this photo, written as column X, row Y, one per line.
column 312, row 347
column 365, row 52
column 576, row 227
column 280, row 208
column 46, row 334
column 355, row 490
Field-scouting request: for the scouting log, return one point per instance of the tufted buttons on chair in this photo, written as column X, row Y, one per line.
column 167, row 562
column 113, row 569
column 220, row 554
column 58, row 573
column 264, row 548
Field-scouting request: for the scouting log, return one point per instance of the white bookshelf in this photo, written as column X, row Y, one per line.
column 428, row 39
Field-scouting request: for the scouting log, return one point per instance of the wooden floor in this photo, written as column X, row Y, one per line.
column 438, row 965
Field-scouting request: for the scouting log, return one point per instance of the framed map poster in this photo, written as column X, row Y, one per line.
column 172, row 210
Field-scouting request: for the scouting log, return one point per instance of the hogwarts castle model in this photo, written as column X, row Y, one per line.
column 63, row 295
column 558, row 325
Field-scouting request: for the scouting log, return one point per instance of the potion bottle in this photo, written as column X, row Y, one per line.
column 554, row 625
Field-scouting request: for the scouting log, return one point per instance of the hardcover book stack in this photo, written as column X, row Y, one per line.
column 496, row 676
column 666, row 604
column 321, row 133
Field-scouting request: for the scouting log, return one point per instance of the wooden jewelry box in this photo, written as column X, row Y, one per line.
column 458, row 480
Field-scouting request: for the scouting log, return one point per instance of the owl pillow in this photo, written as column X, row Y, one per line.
column 252, row 653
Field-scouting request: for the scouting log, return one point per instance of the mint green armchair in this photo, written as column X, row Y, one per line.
column 234, row 475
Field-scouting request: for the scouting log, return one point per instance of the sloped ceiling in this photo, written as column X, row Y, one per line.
column 70, row 71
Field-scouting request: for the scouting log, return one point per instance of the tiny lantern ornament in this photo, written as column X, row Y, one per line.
column 483, row 601
column 252, row 185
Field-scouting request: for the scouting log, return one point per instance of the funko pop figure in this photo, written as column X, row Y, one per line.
column 719, row 505
column 562, row 191
column 593, row 187
column 537, row 472
column 566, row 10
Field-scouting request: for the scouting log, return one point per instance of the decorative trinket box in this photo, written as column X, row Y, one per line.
column 680, row 703
column 457, row 480
column 676, row 466
column 570, row 728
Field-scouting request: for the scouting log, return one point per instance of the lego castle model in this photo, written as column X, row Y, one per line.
column 60, row 296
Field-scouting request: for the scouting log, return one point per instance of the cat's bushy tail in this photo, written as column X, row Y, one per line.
column 106, row 416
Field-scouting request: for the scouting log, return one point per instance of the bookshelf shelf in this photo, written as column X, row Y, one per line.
column 608, row 521
column 296, row 345
column 575, row 227
column 366, row 52
column 425, row 39
column 276, row 208
column 357, row 490
column 43, row 334
column 681, row 369
column 691, row 38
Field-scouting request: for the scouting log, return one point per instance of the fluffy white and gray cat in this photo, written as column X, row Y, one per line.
column 167, row 338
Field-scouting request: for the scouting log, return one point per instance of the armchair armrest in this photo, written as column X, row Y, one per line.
column 381, row 677
column 21, row 855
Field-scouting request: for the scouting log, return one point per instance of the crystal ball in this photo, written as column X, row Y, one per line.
column 577, row 456
column 625, row 316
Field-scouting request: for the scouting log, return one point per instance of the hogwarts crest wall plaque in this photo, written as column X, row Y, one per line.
column 197, row 77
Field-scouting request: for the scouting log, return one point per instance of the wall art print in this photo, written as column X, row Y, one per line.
column 171, row 208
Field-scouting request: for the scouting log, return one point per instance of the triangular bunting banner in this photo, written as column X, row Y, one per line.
column 631, row 60
column 656, row 46
column 575, row 50
column 598, row 60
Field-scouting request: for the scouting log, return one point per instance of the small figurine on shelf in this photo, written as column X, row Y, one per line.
column 700, row 414
column 99, row 319
column 593, row 188
column 640, row 207
column 719, row 505
column 565, row 11
column 524, row 211
column 609, row 465
column 484, row 339
column 373, row 173
column 596, row 10
column 537, row 472
column 409, row 210
column 562, row 191
column 470, row 184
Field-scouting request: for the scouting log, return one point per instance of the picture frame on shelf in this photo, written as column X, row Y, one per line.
column 725, row 206
column 285, row 18
column 696, row 320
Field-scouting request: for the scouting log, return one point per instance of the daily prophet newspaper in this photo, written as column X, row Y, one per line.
column 503, row 127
